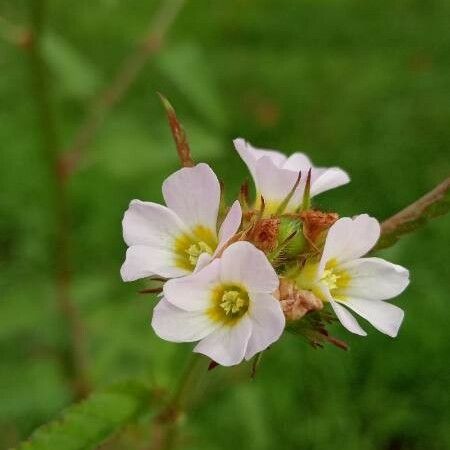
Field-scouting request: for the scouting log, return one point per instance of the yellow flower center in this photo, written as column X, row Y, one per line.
column 195, row 250
column 228, row 304
column 330, row 279
column 334, row 278
column 189, row 246
column 232, row 302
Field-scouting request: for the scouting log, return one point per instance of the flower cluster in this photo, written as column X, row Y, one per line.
column 235, row 278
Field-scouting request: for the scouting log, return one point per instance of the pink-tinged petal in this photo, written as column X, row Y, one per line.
column 250, row 155
column 298, row 162
column 267, row 323
column 194, row 194
column 347, row 319
column 228, row 344
column 193, row 292
column 143, row 261
column 328, row 179
column 243, row 263
column 146, row 223
column 384, row 316
column 230, row 225
column 350, row 239
column 176, row 325
column 203, row 260
column 273, row 183
column 375, row 279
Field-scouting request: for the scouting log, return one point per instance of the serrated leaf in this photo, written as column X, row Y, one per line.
column 86, row 425
column 434, row 204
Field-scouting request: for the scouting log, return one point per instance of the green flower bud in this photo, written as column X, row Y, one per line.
column 291, row 241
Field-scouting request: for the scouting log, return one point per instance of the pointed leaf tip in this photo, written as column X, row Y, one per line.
column 179, row 136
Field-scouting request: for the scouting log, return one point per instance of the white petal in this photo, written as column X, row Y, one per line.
column 194, row 194
column 227, row 345
column 143, row 261
column 203, row 260
column 176, row 325
column 328, row 179
column 298, row 162
column 267, row 323
column 251, row 154
column 146, row 223
column 243, row 263
column 347, row 319
column 349, row 239
column 384, row 316
column 193, row 292
column 273, row 183
column 375, row 279
column 231, row 223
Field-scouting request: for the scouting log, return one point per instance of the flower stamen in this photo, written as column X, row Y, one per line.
column 228, row 303
column 195, row 250
column 232, row 302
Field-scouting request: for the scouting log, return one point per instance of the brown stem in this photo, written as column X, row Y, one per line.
column 76, row 366
column 126, row 75
column 417, row 209
column 417, row 214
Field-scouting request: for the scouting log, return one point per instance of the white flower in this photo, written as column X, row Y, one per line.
column 173, row 241
column 228, row 306
column 342, row 277
column 275, row 175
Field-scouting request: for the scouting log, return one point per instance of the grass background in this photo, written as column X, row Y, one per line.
column 361, row 85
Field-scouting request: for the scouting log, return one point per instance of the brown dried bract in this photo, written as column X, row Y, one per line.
column 316, row 222
column 264, row 234
column 296, row 302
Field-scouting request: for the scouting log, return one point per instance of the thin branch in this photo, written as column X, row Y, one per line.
column 76, row 352
column 427, row 207
column 126, row 75
column 165, row 424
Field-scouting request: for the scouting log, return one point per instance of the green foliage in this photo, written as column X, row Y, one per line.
column 86, row 425
column 75, row 77
column 360, row 85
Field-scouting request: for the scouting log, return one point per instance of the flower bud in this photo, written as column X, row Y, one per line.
column 290, row 237
column 295, row 303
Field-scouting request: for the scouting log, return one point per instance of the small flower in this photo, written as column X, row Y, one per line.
column 228, row 306
column 275, row 175
column 174, row 240
column 342, row 277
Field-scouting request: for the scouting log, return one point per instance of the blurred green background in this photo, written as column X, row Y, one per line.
column 361, row 85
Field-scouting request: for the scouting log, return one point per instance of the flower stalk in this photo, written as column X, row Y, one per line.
column 433, row 204
column 166, row 423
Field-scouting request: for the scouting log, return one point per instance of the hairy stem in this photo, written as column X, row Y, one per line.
column 76, row 352
column 165, row 425
column 431, row 205
column 126, row 75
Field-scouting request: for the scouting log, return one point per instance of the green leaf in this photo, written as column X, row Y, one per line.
column 434, row 204
column 86, row 425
